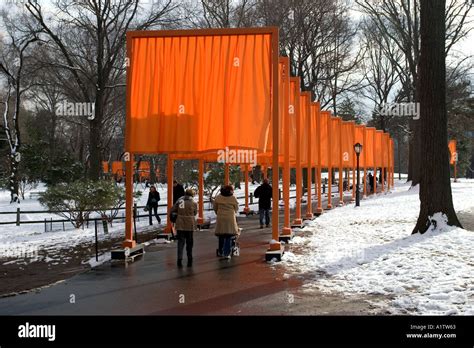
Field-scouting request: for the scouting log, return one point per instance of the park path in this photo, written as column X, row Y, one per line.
column 153, row 285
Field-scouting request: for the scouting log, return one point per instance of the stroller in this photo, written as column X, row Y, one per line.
column 234, row 245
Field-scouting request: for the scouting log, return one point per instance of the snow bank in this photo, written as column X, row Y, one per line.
column 371, row 251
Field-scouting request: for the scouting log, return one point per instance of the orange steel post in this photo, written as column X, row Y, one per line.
column 319, row 208
column 382, row 179
column 246, row 178
column 309, row 205
column 226, row 174
column 353, row 198
column 299, row 178
column 329, row 204
column 275, row 244
column 393, row 165
column 170, row 173
column 353, row 183
column 389, row 170
column 200, row 219
column 341, row 186
column 129, row 242
column 365, row 162
column 286, row 143
column 375, row 164
column 264, row 171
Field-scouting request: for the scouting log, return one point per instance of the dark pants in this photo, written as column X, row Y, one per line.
column 185, row 237
column 264, row 213
column 225, row 242
column 155, row 213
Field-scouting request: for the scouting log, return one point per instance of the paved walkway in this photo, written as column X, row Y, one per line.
column 154, row 285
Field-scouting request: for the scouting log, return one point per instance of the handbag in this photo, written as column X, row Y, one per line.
column 173, row 216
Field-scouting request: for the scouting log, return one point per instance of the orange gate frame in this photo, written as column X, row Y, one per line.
column 274, row 112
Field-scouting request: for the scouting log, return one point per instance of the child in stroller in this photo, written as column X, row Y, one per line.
column 234, row 246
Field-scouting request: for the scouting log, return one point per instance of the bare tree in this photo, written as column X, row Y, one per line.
column 399, row 21
column 19, row 73
column 89, row 37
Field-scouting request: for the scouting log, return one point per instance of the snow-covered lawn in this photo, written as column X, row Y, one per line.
column 370, row 250
column 24, row 242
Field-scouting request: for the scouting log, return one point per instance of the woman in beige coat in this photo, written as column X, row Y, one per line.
column 226, row 206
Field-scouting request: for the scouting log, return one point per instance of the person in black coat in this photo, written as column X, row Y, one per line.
column 152, row 204
column 178, row 191
column 264, row 194
column 371, row 182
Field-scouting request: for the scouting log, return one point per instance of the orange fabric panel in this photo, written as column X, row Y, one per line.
column 324, row 121
column 335, row 141
column 305, row 130
column 386, row 149
column 315, row 113
column 347, row 143
column 452, row 151
column 369, row 148
column 378, row 148
column 196, row 92
column 359, row 138
column 293, row 109
column 117, row 167
column 105, row 166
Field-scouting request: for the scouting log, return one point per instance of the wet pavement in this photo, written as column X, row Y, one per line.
column 153, row 285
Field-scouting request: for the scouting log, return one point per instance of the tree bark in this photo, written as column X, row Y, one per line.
column 435, row 183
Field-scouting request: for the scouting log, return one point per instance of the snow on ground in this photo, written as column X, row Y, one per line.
column 370, row 250
column 25, row 242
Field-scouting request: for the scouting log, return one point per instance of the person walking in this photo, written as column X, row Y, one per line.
column 186, row 210
column 178, row 191
column 370, row 178
column 264, row 194
column 152, row 204
column 225, row 207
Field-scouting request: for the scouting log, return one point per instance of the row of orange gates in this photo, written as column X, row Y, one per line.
column 195, row 94
column 116, row 169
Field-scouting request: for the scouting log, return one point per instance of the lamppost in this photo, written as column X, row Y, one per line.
column 358, row 150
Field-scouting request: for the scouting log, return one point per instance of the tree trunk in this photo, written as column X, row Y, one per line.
column 94, row 149
column 152, row 170
column 435, row 184
column 14, row 179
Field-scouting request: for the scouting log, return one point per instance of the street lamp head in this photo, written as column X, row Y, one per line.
column 358, row 148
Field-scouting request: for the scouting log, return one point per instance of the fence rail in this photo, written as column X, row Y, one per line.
column 50, row 221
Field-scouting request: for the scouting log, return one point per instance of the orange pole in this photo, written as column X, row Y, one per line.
column 275, row 244
column 365, row 182
column 389, row 171
column 246, row 178
column 286, row 143
column 129, row 242
column 365, row 160
column 329, row 204
column 170, row 170
column 309, row 205
column 200, row 219
column 383, row 174
column 264, row 171
column 341, row 187
column 353, row 183
column 226, row 174
column 299, row 178
column 375, row 164
column 319, row 208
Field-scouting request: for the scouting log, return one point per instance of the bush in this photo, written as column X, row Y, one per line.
column 75, row 201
